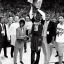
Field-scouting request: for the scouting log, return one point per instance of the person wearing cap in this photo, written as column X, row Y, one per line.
column 20, row 38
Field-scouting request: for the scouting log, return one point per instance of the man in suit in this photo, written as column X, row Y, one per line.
column 49, row 32
column 1, row 39
column 4, row 35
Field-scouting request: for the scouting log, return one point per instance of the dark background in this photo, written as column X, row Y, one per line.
column 47, row 4
column 56, row 6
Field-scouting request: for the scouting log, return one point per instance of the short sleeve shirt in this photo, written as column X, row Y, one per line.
column 60, row 33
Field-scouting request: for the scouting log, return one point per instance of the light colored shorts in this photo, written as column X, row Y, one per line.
column 60, row 48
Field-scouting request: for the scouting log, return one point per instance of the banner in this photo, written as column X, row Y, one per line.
column 30, row 1
column 38, row 3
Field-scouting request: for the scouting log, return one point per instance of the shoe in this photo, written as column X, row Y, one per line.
column 15, row 63
column 56, row 56
column 12, row 56
column 36, row 62
column 25, row 51
column 56, row 62
column 6, row 56
column 63, row 62
column 21, row 62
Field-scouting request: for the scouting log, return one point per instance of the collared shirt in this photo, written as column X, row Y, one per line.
column 13, row 28
column 45, row 26
column 20, row 31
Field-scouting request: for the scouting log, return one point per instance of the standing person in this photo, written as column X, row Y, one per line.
column 60, row 38
column 20, row 38
column 28, row 25
column 49, row 32
column 36, row 40
column 1, row 38
column 37, row 29
column 4, row 32
column 12, row 32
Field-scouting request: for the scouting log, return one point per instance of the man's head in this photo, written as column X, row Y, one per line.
column 38, row 17
column 16, row 18
column 60, row 18
column 27, row 18
column 2, row 20
column 22, row 23
column 47, row 17
column 10, row 19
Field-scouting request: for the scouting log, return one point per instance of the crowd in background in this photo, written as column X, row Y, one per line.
column 9, row 22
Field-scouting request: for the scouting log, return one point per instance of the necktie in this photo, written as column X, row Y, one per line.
column 5, row 30
column 22, row 30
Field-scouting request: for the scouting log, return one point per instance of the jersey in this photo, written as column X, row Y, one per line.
column 37, row 30
column 60, row 33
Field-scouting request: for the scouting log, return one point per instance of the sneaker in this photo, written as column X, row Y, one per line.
column 21, row 62
column 6, row 56
column 56, row 62
column 56, row 56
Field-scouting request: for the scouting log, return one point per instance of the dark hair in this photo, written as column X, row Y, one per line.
column 22, row 21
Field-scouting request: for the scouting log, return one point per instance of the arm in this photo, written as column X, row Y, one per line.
column 42, row 13
column 54, row 33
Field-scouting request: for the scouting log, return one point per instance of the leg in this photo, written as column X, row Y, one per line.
column 57, row 54
column 60, row 52
column 25, row 46
column 12, row 50
column 21, row 53
column 56, row 49
column 15, row 55
column 5, row 51
column 47, row 50
column 32, row 56
column 38, row 57
column 50, row 52
column 60, row 59
column 44, row 52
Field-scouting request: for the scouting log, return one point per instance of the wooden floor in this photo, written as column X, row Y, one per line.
column 26, row 57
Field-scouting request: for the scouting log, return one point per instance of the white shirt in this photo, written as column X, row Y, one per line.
column 42, row 13
column 7, row 30
column 60, row 36
column 28, row 25
column 13, row 28
column 45, row 26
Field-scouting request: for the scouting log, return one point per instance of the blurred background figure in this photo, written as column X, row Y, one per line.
column 28, row 25
column 4, row 34
column 12, row 31
column 1, row 38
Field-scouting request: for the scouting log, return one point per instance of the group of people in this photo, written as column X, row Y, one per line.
column 39, row 29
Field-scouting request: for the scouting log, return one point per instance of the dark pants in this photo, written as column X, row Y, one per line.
column 12, row 50
column 25, row 46
column 33, row 56
column 5, row 47
column 5, row 51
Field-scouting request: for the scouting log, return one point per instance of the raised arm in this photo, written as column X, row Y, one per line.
column 42, row 13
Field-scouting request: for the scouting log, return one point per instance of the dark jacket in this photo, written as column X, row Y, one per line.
column 52, row 31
